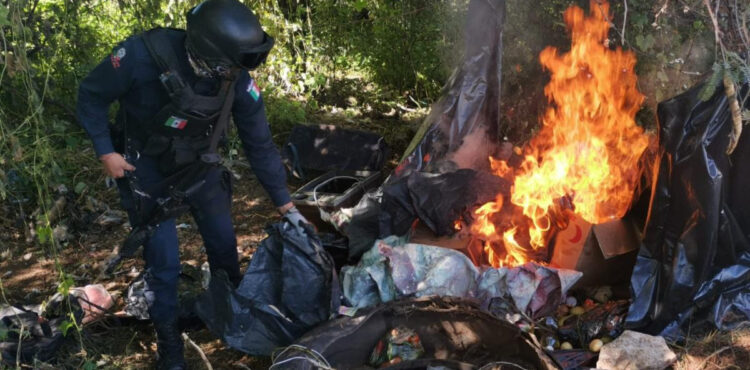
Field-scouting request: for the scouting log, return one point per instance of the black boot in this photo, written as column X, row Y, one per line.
column 170, row 349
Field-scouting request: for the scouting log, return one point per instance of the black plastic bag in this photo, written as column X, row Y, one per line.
column 327, row 147
column 694, row 265
column 438, row 200
column 289, row 286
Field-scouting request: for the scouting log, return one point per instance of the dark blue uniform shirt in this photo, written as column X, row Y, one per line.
column 131, row 76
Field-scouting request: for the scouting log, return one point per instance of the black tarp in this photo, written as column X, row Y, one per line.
column 468, row 110
column 289, row 286
column 693, row 267
column 471, row 102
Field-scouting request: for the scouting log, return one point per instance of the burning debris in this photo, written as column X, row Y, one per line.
column 584, row 160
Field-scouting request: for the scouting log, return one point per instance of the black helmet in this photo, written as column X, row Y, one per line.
column 227, row 33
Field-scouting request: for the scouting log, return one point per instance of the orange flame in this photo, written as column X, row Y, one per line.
column 587, row 150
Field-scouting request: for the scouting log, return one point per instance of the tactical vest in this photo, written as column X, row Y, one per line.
column 183, row 129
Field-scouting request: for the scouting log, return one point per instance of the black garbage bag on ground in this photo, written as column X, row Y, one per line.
column 289, row 286
column 327, row 147
column 693, row 267
column 438, row 200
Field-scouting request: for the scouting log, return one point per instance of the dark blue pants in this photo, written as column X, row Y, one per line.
column 210, row 208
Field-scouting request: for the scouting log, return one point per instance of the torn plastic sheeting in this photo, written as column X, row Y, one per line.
column 472, row 98
column 694, row 264
column 287, row 288
column 394, row 269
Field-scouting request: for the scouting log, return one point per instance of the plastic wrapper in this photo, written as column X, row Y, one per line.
column 401, row 344
column 693, row 267
column 574, row 358
column 289, row 286
column 606, row 319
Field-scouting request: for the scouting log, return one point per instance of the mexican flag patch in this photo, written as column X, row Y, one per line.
column 176, row 122
column 253, row 89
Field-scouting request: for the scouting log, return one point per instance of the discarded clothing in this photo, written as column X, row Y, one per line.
column 289, row 287
column 394, row 269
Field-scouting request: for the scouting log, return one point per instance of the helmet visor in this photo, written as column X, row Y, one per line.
column 252, row 58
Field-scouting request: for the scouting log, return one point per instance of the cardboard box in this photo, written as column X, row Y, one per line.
column 605, row 253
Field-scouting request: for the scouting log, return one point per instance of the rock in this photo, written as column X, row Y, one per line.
column 60, row 233
column 633, row 350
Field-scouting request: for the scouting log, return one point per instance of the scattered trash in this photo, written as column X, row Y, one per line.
column 602, row 320
column 633, row 350
column 60, row 233
column 36, row 332
column 400, row 344
column 289, row 286
column 27, row 256
column 111, row 217
column 573, row 358
column 205, row 275
column 183, row 226
column 140, row 298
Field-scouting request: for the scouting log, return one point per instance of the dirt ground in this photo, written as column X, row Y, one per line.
column 30, row 275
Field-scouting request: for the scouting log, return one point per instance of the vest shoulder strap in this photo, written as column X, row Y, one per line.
column 161, row 49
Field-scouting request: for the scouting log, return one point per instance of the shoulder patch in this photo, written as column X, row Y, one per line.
column 117, row 55
column 253, row 89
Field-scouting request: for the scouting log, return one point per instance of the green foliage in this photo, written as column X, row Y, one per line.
column 713, row 82
column 405, row 48
column 283, row 113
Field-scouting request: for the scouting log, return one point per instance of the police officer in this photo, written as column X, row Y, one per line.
column 173, row 88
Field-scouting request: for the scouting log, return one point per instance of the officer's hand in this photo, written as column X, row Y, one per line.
column 295, row 217
column 115, row 165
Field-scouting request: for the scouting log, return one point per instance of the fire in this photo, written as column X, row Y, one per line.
column 587, row 150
